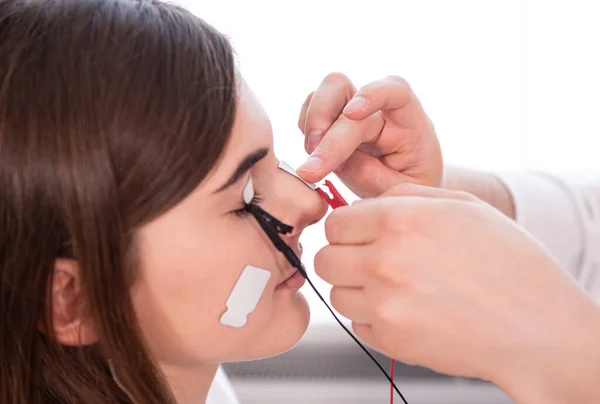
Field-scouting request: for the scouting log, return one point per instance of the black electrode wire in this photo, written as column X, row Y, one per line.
column 273, row 227
column 357, row 341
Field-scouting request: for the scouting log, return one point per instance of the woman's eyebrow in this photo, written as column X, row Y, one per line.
column 246, row 164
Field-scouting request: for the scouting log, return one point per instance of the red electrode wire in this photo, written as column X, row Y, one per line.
column 391, row 385
column 335, row 201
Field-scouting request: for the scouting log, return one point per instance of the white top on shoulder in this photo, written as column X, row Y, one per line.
column 221, row 391
column 564, row 215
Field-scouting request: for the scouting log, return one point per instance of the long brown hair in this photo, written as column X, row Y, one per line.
column 111, row 112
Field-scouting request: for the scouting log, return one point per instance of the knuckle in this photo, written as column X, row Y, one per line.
column 333, row 225
column 392, row 219
column 402, row 189
column 414, row 219
column 357, row 330
column 399, row 79
column 389, row 263
column 385, row 259
column 322, row 262
column 362, row 332
column 464, row 195
column 392, row 317
column 322, row 117
column 415, row 227
column 375, row 177
column 480, row 209
column 319, row 262
column 327, row 146
column 375, row 262
column 337, row 78
column 381, row 272
column 335, row 297
column 382, row 311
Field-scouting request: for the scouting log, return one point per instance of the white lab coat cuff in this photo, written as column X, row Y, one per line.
column 546, row 207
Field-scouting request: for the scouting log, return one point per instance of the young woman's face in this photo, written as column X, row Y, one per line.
column 192, row 256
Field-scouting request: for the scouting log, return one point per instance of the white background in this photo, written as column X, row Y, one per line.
column 508, row 84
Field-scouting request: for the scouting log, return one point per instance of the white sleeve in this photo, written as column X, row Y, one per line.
column 564, row 215
column 221, row 390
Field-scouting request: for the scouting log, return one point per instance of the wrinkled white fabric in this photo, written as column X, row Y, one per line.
column 563, row 213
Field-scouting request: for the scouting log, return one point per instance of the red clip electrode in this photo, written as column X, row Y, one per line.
column 337, row 200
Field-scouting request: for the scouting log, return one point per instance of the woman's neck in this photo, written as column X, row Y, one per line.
column 190, row 385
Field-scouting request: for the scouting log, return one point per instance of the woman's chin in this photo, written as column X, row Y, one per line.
column 290, row 322
column 294, row 326
column 266, row 334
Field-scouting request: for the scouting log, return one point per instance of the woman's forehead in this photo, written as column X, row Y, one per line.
column 251, row 132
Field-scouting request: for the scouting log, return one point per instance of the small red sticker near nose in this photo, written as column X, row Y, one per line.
column 337, row 200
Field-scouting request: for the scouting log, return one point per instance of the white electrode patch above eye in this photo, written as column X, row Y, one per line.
column 288, row 169
column 245, row 296
column 248, row 193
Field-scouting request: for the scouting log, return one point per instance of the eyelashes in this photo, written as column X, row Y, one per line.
column 249, row 197
column 256, row 199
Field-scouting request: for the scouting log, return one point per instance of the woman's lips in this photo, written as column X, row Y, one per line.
column 294, row 281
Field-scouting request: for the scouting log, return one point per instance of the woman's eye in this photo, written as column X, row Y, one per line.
column 256, row 199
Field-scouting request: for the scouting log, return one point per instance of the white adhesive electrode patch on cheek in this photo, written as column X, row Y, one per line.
column 288, row 169
column 245, row 296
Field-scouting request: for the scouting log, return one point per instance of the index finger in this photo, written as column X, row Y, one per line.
column 325, row 107
column 344, row 266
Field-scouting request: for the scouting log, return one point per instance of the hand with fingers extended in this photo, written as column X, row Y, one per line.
column 373, row 138
column 438, row 278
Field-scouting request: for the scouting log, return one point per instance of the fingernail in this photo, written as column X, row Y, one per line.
column 311, row 165
column 356, row 104
column 313, row 140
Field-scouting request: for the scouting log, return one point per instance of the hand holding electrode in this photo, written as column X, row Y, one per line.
column 440, row 279
column 373, row 138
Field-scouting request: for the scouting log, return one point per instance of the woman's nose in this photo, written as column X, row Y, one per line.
column 303, row 205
